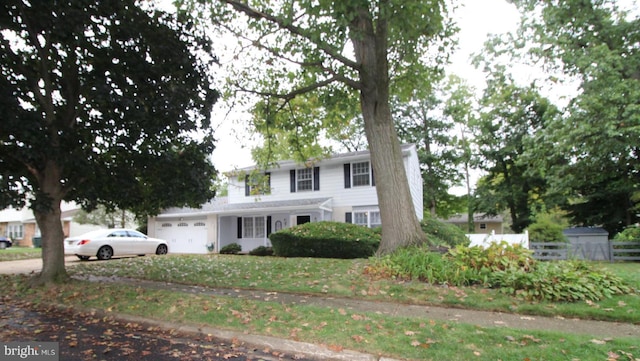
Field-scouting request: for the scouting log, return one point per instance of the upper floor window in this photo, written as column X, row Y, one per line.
column 305, row 179
column 256, row 184
column 361, row 174
column 358, row 174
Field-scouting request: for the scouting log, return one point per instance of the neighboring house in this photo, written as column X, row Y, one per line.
column 341, row 188
column 20, row 224
column 481, row 222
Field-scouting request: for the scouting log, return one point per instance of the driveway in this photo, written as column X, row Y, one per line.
column 31, row 265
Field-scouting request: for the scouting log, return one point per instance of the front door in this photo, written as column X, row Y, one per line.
column 303, row 219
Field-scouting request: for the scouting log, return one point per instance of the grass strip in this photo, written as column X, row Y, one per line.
column 345, row 278
column 337, row 328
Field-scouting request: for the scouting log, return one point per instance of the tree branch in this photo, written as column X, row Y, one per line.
column 255, row 14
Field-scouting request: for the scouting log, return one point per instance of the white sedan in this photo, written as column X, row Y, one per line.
column 106, row 243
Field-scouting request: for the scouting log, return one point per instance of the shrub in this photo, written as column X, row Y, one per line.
column 440, row 233
column 232, row 248
column 420, row 263
column 545, row 229
column 567, row 281
column 261, row 251
column 497, row 257
column 325, row 240
column 629, row 234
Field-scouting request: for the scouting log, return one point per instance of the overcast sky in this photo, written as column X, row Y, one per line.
column 476, row 20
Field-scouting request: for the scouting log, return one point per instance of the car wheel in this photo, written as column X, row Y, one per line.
column 83, row 258
column 162, row 249
column 105, row 253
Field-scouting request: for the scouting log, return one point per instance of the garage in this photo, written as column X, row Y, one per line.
column 183, row 236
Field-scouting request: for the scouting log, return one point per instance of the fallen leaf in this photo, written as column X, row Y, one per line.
column 598, row 342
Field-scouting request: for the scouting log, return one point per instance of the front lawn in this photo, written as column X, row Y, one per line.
column 18, row 253
column 345, row 278
column 335, row 327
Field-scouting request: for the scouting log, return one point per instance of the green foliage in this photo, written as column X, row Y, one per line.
column 325, row 240
column 261, row 251
column 590, row 154
column 507, row 267
column 545, row 229
column 499, row 256
column 443, row 234
column 566, row 281
column 420, row 263
column 629, row 234
column 232, row 248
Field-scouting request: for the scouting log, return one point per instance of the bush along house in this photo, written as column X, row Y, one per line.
column 340, row 188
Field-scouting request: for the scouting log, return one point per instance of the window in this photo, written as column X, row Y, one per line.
column 304, row 179
column 166, row 225
column 253, row 227
column 199, row 224
column 257, row 184
column 360, row 173
column 483, row 226
column 183, row 224
column 367, row 218
column 16, row 231
column 247, row 224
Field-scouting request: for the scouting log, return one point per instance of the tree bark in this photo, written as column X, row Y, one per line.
column 400, row 225
column 48, row 217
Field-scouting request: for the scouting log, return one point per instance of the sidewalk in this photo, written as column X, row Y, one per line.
column 599, row 329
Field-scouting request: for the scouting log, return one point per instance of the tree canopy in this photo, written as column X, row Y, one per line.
column 101, row 102
column 592, row 153
column 332, row 53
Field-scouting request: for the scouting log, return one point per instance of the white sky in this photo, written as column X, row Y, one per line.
column 476, row 20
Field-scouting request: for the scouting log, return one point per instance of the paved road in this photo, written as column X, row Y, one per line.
column 88, row 336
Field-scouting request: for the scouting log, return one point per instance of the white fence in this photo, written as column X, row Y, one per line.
column 485, row 240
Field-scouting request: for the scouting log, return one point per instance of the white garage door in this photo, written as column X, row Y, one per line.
column 184, row 236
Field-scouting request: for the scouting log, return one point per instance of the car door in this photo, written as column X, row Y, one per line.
column 119, row 242
column 140, row 243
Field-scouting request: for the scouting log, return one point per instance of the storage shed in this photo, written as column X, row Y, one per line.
column 590, row 243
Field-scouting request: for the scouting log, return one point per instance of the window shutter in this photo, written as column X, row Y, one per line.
column 347, row 217
column 247, row 188
column 239, row 227
column 292, row 178
column 347, row 175
column 316, row 178
column 373, row 179
column 268, row 190
column 268, row 225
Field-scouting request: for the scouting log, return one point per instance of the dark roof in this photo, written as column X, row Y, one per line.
column 584, row 231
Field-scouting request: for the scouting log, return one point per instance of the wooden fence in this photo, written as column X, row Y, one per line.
column 594, row 251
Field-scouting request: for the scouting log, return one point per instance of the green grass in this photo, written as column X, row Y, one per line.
column 337, row 328
column 345, row 278
column 18, row 253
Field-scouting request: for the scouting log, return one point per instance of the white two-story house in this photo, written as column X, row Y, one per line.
column 341, row 188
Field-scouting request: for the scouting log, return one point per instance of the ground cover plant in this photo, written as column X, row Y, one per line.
column 415, row 338
column 18, row 253
column 509, row 268
column 348, row 278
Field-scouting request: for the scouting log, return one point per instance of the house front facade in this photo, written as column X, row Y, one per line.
column 340, row 188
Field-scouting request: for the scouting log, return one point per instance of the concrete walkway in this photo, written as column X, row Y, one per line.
column 600, row 329
column 27, row 266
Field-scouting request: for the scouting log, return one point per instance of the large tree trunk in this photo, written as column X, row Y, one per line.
column 400, row 225
column 47, row 212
